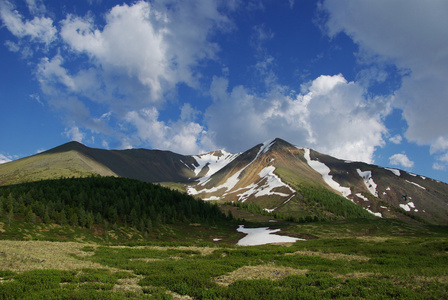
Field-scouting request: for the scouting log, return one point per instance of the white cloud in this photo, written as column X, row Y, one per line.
column 74, row 134
column 36, row 7
column 157, row 44
column 135, row 62
column 439, row 167
column 441, row 163
column 396, row 139
column 51, row 72
column 4, row 159
column 39, row 29
column 401, row 159
column 331, row 115
column 411, row 35
column 183, row 136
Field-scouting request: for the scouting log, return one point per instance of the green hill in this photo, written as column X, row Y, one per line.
column 104, row 203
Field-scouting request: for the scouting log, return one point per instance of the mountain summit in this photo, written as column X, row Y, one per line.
column 276, row 175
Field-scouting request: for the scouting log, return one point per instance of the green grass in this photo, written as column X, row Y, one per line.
column 359, row 258
column 402, row 268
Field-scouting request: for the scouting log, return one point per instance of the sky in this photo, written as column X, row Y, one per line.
column 356, row 79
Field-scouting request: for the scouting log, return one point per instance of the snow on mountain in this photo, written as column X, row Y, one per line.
column 214, row 161
column 325, row 172
column 368, row 181
column 417, row 185
column 395, row 171
column 258, row 189
column 264, row 185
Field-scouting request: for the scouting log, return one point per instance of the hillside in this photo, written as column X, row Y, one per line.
column 287, row 181
column 103, row 202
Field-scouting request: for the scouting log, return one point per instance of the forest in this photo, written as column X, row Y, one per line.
column 106, row 201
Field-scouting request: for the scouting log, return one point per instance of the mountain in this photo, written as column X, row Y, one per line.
column 277, row 176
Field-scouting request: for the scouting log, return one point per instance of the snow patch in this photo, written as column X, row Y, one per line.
column 377, row 214
column 405, row 207
column 395, row 171
column 266, row 146
column 417, row 185
column 214, row 161
column 262, row 236
column 362, row 197
column 272, row 182
column 325, row 172
column 212, row 198
column 368, row 181
column 409, row 206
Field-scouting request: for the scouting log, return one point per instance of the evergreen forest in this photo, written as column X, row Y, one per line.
column 105, row 201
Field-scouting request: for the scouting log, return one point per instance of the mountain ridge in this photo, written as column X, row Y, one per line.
column 275, row 175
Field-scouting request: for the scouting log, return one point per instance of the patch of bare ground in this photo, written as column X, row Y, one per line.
column 356, row 275
column 258, row 272
column 21, row 256
column 128, row 285
column 179, row 297
column 431, row 279
column 331, row 255
column 377, row 239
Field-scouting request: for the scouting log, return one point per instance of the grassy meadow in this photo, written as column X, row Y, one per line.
column 350, row 259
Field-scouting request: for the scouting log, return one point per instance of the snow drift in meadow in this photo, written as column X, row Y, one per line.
column 262, row 236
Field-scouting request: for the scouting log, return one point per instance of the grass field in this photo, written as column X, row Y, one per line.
column 371, row 259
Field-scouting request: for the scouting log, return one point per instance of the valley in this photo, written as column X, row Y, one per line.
column 150, row 224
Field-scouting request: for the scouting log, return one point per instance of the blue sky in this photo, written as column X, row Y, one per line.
column 356, row 79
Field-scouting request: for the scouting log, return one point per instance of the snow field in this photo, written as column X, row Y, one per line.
column 368, row 181
column 263, row 236
column 322, row 169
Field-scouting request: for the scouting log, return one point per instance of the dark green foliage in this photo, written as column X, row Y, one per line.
column 55, row 284
column 323, row 200
column 86, row 201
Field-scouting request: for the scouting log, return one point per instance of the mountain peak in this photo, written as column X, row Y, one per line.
column 73, row 145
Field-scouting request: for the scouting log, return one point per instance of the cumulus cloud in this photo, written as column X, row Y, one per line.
column 183, row 136
column 401, row 159
column 412, row 36
column 153, row 45
column 330, row 115
column 126, row 66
